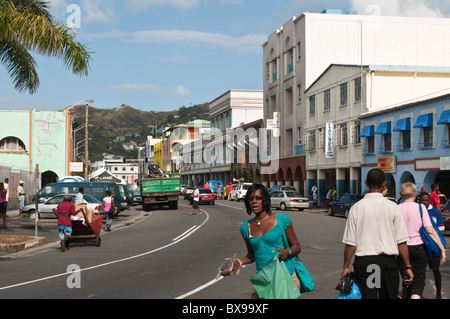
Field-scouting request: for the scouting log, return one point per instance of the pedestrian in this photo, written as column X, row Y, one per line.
column 435, row 202
column 3, row 193
column 376, row 233
column 434, row 262
column 219, row 191
column 229, row 189
column 417, row 253
column 63, row 212
column 262, row 246
column 314, row 194
column 79, row 199
column 21, row 196
column 109, row 208
column 6, row 185
column 195, row 200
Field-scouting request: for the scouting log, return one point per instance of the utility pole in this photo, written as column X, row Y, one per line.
column 86, row 141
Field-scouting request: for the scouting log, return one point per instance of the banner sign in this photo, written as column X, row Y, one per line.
column 329, row 151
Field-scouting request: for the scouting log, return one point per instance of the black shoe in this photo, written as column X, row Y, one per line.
column 63, row 247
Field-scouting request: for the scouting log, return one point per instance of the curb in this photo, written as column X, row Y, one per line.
column 25, row 242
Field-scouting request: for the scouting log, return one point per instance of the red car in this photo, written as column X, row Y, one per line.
column 206, row 196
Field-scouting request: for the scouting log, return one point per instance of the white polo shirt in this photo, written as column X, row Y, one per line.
column 375, row 226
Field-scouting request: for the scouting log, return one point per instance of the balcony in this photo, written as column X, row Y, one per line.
column 300, row 149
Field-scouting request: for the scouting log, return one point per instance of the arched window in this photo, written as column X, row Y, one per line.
column 12, row 144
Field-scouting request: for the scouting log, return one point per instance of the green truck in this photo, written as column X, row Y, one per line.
column 159, row 190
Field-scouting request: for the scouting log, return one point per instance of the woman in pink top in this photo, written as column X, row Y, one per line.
column 417, row 254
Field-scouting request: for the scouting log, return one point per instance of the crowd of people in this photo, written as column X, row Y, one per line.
column 381, row 235
column 4, row 198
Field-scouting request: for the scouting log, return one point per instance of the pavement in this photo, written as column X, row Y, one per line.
column 22, row 233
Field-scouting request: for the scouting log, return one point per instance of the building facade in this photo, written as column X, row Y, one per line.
column 410, row 143
column 296, row 54
column 335, row 102
column 235, row 117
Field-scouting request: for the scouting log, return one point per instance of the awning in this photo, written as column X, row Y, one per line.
column 403, row 125
column 425, row 120
column 368, row 131
column 384, row 128
column 445, row 118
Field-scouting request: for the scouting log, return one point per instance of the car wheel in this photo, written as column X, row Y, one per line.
column 347, row 211
column 32, row 214
column 283, row 206
column 330, row 211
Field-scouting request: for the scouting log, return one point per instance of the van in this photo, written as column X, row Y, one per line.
column 240, row 191
column 96, row 189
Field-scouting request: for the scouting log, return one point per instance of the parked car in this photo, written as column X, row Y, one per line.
column 134, row 190
column 288, row 199
column 342, row 205
column 239, row 191
column 46, row 208
column 281, row 188
column 123, row 196
column 187, row 192
column 206, row 196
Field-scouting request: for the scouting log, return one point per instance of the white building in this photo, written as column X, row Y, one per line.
column 338, row 98
column 126, row 170
column 296, row 54
column 231, row 110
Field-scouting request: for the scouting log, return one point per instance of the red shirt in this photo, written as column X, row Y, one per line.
column 434, row 201
column 64, row 210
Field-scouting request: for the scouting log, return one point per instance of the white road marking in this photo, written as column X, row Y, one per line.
column 186, row 235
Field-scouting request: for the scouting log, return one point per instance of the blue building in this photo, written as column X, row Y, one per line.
column 410, row 143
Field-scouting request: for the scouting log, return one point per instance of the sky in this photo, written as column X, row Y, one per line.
column 160, row 55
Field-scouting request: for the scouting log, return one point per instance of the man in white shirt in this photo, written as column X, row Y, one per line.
column 21, row 196
column 195, row 201
column 376, row 233
column 79, row 198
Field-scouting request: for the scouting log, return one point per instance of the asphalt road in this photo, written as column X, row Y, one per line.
column 167, row 254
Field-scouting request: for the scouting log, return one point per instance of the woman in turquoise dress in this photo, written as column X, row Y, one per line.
column 263, row 234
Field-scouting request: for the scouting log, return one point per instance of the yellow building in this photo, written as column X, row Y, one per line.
column 158, row 151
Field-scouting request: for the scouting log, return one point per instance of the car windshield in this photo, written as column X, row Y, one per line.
column 292, row 194
column 91, row 199
column 205, row 190
column 245, row 186
column 132, row 187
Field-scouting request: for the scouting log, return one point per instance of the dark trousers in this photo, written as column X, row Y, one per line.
column 418, row 258
column 377, row 277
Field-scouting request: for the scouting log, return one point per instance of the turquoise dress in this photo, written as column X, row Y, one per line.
column 264, row 246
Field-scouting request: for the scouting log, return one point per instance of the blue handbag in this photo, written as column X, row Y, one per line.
column 306, row 281
column 431, row 247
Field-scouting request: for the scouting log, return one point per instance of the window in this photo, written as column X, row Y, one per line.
column 299, row 91
column 312, row 105
column 355, row 132
column 425, row 123
column 344, row 135
column 12, row 144
column 311, row 141
column 326, row 100
column 384, row 129
column 357, row 89
column 343, row 89
column 404, row 127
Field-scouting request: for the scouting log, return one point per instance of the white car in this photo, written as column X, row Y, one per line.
column 288, row 199
column 239, row 191
column 46, row 208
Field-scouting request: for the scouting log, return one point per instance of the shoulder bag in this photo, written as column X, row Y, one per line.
column 306, row 281
column 431, row 247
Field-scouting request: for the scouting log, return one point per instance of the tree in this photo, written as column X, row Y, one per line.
column 27, row 25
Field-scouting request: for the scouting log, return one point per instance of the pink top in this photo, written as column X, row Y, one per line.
column 411, row 214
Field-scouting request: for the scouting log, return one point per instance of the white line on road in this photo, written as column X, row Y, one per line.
column 111, row 262
column 212, row 282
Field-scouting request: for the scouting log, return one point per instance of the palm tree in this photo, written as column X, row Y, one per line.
column 27, row 25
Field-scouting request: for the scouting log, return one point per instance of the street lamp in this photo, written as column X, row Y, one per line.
column 86, row 133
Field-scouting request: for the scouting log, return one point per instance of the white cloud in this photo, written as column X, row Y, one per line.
column 409, row 8
column 181, row 90
column 138, row 5
column 136, row 87
column 243, row 44
column 175, row 58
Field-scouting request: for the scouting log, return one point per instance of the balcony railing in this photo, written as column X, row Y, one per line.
column 300, row 149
